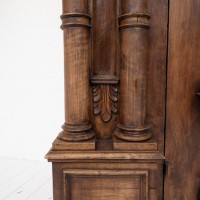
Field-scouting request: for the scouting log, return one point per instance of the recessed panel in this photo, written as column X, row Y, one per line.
column 105, row 37
column 105, row 185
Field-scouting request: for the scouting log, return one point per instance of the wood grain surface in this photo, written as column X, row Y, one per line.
column 183, row 107
column 76, row 26
column 115, row 73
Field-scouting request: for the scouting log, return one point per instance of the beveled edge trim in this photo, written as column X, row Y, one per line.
column 104, row 79
column 75, row 25
column 111, row 82
column 134, row 15
column 97, row 172
column 103, row 155
column 66, row 15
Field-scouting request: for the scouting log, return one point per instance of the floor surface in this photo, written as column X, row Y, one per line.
column 25, row 179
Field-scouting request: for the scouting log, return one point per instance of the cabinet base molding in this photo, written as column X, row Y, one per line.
column 89, row 175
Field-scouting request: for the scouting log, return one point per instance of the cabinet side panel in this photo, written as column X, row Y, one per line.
column 183, row 107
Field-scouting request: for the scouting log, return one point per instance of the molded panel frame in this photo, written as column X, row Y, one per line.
column 142, row 175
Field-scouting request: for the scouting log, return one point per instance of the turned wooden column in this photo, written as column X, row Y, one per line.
column 110, row 94
column 76, row 27
column 133, row 27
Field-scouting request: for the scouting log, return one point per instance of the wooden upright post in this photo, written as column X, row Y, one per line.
column 76, row 27
column 106, row 69
column 133, row 26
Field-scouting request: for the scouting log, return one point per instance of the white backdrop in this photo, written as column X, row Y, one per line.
column 31, row 77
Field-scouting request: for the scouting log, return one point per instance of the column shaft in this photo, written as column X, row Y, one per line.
column 76, row 27
column 133, row 27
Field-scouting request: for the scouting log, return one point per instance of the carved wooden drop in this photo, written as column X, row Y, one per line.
column 105, row 101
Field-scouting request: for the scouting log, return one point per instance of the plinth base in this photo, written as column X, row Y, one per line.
column 106, row 175
column 60, row 145
column 76, row 133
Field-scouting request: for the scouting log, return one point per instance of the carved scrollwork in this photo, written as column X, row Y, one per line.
column 105, row 99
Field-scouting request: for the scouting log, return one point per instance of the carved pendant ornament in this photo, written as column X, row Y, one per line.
column 105, row 99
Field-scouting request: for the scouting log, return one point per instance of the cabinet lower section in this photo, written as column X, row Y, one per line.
column 101, row 176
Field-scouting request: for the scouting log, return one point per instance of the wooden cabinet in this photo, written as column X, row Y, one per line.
column 132, row 116
column 116, row 178
column 183, row 107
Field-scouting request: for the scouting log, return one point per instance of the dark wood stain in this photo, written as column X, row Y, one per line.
column 123, row 93
column 183, row 113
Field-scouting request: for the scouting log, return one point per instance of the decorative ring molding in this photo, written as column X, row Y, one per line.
column 131, row 20
column 140, row 25
column 133, row 128
column 122, row 17
column 136, row 136
column 67, row 15
column 83, row 20
column 76, row 128
column 65, row 25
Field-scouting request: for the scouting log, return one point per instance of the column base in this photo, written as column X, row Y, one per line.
column 73, row 133
column 134, row 134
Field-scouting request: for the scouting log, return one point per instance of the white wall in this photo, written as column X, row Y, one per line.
column 31, row 77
